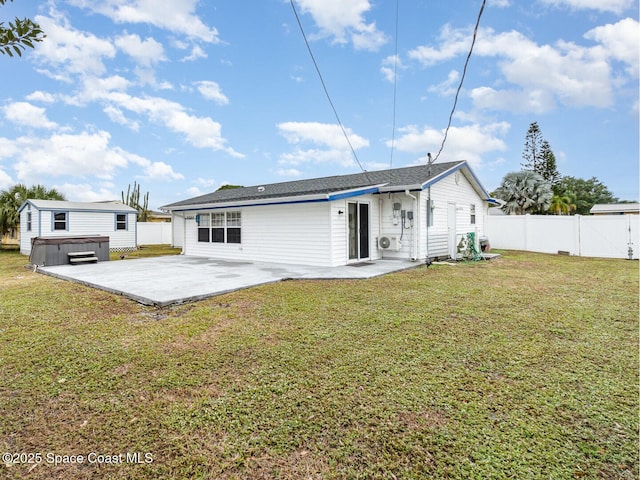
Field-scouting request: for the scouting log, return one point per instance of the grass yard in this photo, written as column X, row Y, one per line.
column 146, row 251
column 524, row 367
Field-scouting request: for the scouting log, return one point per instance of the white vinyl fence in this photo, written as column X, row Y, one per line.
column 607, row 236
column 154, row 233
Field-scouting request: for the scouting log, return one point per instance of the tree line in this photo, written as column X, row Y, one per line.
column 540, row 189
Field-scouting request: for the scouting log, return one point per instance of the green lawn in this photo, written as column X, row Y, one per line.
column 524, row 367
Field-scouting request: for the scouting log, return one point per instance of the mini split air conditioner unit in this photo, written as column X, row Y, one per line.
column 388, row 242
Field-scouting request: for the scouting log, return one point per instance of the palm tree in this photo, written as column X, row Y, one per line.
column 524, row 192
column 562, row 205
column 14, row 197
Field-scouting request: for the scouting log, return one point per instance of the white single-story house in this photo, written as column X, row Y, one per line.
column 615, row 209
column 54, row 218
column 415, row 213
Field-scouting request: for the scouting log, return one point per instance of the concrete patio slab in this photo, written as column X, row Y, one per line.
column 174, row 279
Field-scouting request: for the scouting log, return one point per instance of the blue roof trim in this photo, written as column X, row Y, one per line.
column 356, row 193
column 329, row 198
column 226, row 207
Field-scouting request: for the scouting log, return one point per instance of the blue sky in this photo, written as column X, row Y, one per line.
column 185, row 96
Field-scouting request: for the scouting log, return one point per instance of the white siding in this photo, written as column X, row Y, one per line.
column 26, row 236
column 177, row 230
column 340, row 228
column 463, row 195
column 294, row 233
column 446, row 191
column 392, row 227
column 317, row 233
column 79, row 223
column 339, row 232
column 304, row 234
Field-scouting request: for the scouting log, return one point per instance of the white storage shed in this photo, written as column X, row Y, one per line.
column 54, row 218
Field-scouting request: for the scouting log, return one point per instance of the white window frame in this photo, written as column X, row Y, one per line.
column 54, row 221
column 216, row 221
column 117, row 222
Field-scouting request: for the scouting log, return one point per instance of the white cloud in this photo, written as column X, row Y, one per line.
column 344, row 21
column 333, row 147
column 469, row 142
column 289, row 172
column 145, row 52
column 39, row 96
column 201, row 132
column 391, row 65
column 82, row 155
column 211, row 91
column 323, row 134
column 175, row 16
column 540, row 76
column 5, row 180
column 8, row 148
column 452, row 44
column 614, row 6
column 27, row 115
column 160, row 171
column 84, row 192
column 449, row 86
column 343, row 158
column 70, row 51
column 205, row 182
column 194, row 192
column 620, row 41
column 516, row 101
column 196, row 53
column 116, row 115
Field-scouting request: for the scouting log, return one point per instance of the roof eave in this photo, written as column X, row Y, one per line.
column 400, row 188
column 318, row 197
column 244, row 203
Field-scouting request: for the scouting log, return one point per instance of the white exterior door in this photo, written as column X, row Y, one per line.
column 358, row 219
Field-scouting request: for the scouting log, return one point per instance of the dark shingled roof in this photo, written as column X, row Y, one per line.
column 400, row 177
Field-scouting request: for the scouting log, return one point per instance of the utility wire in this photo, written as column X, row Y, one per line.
column 464, row 72
column 344, row 132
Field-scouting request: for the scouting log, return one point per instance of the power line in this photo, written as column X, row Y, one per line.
column 464, row 72
column 344, row 132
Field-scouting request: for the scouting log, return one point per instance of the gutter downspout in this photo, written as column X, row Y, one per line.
column 184, row 235
column 380, row 203
column 414, row 239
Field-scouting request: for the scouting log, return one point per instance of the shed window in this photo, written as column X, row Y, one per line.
column 121, row 221
column 473, row 214
column 28, row 221
column 60, row 221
